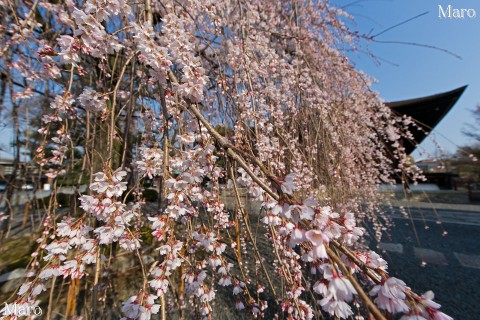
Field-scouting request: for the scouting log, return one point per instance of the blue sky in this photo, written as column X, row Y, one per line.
column 417, row 71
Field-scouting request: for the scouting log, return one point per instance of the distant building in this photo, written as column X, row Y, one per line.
column 6, row 165
column 7, row 161
column 427, row 113
column 436, row 172
column 431, row 166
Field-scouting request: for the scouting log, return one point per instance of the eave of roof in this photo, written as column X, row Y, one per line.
column 427, row 112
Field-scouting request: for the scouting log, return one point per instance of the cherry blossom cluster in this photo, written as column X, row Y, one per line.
column 191, row 94
column 116, row 217
column 182, row 52
column 95, row 40
column 140, row 306
column 59, row 137
column 91, row 100
column 152, row 53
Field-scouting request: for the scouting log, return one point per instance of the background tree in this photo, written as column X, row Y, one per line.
column 465, row 163
column 465, row 160
column 473, row 130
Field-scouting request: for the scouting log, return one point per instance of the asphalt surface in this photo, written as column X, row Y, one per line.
column 442, row 257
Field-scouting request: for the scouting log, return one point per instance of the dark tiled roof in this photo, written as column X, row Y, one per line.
column 426, row 111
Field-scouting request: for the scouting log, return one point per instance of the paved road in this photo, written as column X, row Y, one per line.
column 444, row 258
column 429, row 215
column 436, row 247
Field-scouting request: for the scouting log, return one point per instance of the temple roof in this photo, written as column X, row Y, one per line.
column 427, row 113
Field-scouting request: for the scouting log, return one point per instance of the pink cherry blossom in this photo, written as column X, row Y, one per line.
column 91, row 100
column 288, row 186
column 391, row 295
